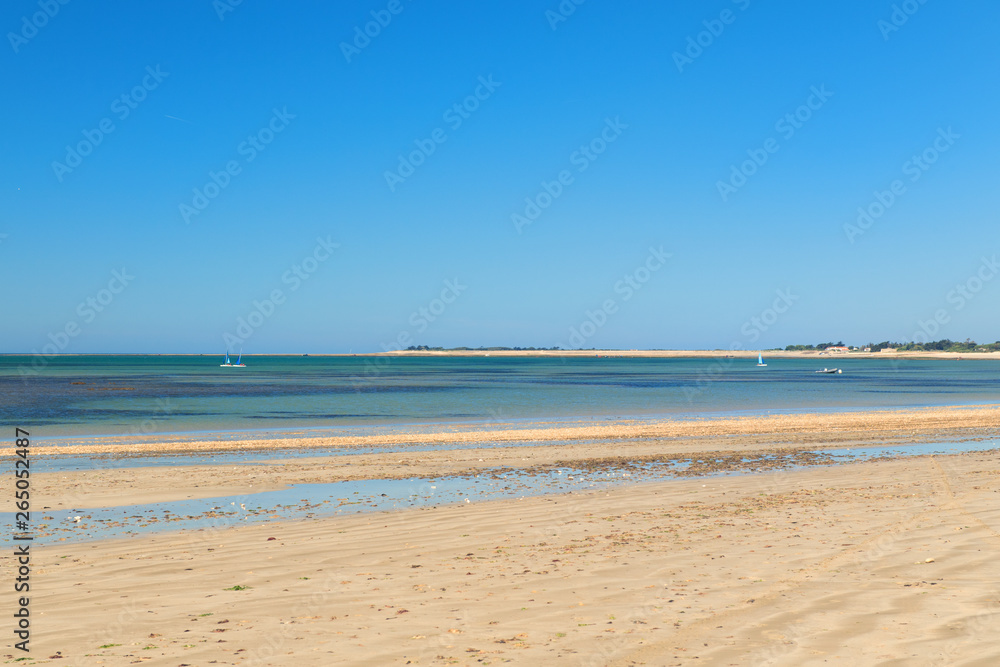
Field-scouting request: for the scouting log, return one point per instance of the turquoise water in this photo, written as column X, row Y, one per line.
column 120, row 395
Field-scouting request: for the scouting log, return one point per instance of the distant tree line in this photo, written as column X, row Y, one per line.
column 943, row 345
column 818, row 346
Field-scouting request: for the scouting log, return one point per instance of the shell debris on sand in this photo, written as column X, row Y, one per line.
column 866, row 424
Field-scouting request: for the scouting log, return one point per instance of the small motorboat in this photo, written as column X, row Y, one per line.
column 831, row 371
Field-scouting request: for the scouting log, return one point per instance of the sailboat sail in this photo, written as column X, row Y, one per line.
column 239, row 361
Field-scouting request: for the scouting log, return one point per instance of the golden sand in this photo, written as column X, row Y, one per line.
column 833, row 428
column 890, row 562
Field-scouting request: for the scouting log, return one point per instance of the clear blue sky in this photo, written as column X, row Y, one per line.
column 681, row 126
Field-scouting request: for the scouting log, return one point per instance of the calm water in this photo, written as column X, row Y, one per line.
column 305, row 501
column 114, row 395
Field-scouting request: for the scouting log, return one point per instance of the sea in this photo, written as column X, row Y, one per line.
column 110, row 395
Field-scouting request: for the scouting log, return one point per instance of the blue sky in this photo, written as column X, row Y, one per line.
column 663, row 131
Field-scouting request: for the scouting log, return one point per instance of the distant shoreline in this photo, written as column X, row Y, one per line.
column 666, row 354
column 692, row 354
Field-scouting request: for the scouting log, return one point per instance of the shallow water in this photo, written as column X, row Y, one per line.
column 134, row 395
column 305, row 501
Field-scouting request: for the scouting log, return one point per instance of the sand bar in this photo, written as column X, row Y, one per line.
column 957, row 421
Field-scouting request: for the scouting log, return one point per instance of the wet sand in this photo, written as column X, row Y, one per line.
column 886, row 562
column 516, row 446
column 818, row 428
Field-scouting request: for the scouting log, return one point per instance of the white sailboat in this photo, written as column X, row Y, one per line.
column 239, row 361
column 760, row 360
column 227, row 361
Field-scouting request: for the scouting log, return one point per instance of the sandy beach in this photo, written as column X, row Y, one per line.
column 883, row 562
column 889, row 562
